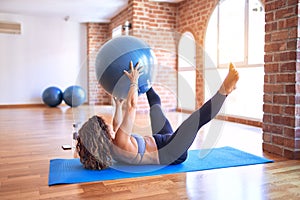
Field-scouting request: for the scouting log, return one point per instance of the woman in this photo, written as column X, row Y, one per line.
column 99, row 143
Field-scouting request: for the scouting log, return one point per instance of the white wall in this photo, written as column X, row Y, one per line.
column 48, row 52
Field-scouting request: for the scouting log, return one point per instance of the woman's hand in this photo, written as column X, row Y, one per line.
column 134, row 73
column 118, row 102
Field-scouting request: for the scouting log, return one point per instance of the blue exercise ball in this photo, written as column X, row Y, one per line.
column 52, row 96
column 74, row 96
column 114, row 57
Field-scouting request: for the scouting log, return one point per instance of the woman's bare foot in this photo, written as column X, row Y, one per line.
column 229, row 84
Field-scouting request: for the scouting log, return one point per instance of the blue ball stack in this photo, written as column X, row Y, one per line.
column 73, row 96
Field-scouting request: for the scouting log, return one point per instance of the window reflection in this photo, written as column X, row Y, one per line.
column 234, row 183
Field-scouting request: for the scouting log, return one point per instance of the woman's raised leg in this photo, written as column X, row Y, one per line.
column 184, row 136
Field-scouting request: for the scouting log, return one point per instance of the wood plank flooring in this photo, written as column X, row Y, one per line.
column 30, row 137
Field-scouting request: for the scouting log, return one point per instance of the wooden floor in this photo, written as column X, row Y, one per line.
column 30, row 137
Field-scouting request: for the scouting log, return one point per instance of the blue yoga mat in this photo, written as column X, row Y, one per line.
column 67, row 171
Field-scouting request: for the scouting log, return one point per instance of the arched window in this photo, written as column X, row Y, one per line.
column 186, row 72
column 235, row 33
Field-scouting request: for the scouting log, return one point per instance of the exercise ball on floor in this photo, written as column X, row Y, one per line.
column 114, row 57
column 52, row 96
column 74, row 96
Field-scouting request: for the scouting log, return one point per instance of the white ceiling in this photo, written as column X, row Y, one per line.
column 75, row 10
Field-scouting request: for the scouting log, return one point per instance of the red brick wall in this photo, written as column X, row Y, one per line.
column 281, row 120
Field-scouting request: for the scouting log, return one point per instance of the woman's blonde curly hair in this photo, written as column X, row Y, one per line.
column 94, row 144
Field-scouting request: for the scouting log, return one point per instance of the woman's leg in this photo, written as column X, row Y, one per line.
column 175, row 149
column 159, row 122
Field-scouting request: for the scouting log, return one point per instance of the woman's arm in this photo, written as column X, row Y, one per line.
column 123, row 137
column 118, row 115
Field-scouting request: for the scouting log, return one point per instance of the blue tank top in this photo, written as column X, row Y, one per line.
column 141, row 144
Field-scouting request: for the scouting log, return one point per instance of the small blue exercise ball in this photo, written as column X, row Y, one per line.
column 74, row 96
column 52, row 96
column 114, row 57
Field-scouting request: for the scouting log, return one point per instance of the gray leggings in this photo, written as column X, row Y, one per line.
column 173, row 146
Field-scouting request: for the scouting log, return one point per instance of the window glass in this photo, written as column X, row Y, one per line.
column 187, row 51
column 256, row 32
column 186, row 72
column 232, row 31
